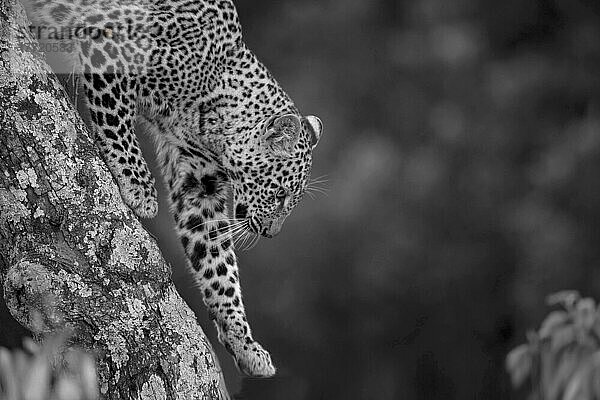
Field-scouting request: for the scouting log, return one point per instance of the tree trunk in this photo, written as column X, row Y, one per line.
column 73, row 255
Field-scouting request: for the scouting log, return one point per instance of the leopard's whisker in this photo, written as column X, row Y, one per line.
column 253, row 243
column 242, row 239
column 325, row 189
column 245, row 240
column 311, row 194
column 243, row 227
column 237, row 238
column 232, row 226
column 252, row 238
column 318, row 178
column 244, row 234
column 248, row 242
column 238, row 234
column 318, row 192
column 318, row 186
column 229, row 221
column 230, row 233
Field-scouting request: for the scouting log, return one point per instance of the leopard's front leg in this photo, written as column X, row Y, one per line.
column 198, row 200
column 112, row 105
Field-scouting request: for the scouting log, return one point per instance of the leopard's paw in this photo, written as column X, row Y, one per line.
column 255, row 361
column 250, row 357
column 140, row 197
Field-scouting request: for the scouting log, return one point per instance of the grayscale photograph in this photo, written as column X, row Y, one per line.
column 299, row 200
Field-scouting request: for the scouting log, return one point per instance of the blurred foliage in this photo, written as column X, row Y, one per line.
column 562, row 359
column 47, row 371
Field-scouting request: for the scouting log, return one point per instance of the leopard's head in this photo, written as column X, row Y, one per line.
column 268, row 145
column 272, row 166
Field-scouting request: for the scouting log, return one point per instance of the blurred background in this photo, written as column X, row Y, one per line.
column 462, row 152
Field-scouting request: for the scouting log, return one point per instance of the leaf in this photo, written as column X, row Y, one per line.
column 533, row 338
column 596, row 327
column 8, row 380
column 552, row 322
column 558, row 371
column 30, row 345
column 36, row 386
column 562, row 337
column 518, row 364
column 20, row 367
column 578, row 387
column 67, row 389
column 585, row 314
column 88, row 377
column 566, row 298
column 595, row 377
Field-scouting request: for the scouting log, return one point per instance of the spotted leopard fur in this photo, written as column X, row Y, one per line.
column 221, row 123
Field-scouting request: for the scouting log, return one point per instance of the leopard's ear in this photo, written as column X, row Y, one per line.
column 315, row 128
column 283, row 133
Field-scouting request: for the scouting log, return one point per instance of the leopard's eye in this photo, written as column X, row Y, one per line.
column 281, row 194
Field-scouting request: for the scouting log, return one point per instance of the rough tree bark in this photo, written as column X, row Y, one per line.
column 72, row 254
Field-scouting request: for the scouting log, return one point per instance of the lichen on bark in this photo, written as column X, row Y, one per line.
column 73, row 255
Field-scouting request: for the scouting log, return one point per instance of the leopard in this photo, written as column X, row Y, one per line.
column 235, row 153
